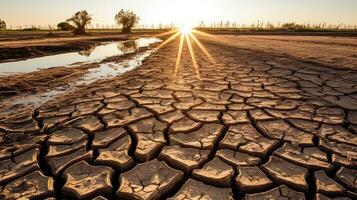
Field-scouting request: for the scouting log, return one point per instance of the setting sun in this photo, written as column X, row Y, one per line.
column 186, row 29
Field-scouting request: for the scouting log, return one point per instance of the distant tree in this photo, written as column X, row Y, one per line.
column 127, row 19
column 292, row 26
column 80, row 20
column 65, row 26
column 2, row 24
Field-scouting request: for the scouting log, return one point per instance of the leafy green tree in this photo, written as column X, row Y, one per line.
column 65, row 26
column 2, row 24
column 80, row 20
column 127, row 19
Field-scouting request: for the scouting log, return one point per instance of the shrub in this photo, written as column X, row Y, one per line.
column 127, row 19
column 2, row 25
column 292, row 26
column 80, row 20
column 65, row 26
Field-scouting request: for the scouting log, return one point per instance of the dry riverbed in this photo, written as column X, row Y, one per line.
column 258, row 121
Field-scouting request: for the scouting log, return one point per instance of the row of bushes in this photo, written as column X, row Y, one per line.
column 78, row 22
column 128, row 19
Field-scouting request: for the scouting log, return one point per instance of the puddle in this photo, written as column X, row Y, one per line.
column 107, row 70
column 93, row 54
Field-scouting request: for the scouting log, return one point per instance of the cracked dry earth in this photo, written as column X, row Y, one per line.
column 254, row 126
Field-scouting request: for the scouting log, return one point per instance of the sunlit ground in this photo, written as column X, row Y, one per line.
column 187, row 34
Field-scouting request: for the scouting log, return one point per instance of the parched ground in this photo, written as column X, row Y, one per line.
column 258, row 123
column 332, row 51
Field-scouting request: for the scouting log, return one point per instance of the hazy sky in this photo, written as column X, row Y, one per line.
column 44, row 12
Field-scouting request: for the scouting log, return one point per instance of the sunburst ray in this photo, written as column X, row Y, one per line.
column 193, row 57
column 168, row 40
column 203, row 48
column 166, row 33
column 187, row 34
column 179, row 54
column 209, row 36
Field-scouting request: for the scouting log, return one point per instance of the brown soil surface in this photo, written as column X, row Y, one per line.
column 337, row 52
column 261, row 121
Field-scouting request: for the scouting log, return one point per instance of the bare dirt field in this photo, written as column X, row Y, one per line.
column 262, row 117
column 338, row 52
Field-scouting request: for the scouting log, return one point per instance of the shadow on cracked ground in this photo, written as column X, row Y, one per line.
column 256, row 125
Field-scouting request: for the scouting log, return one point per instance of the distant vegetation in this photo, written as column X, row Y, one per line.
column 292, row 26
column 127, row 19
column 2, row 24
column 65, row 26
column 80, row 20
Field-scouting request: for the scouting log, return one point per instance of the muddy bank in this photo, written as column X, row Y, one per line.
column 23, row 45
column 12, row 51
column 46, row 79
column 41, row 80
column 21, row 87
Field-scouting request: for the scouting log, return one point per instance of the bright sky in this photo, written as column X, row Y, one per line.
column 45, row 12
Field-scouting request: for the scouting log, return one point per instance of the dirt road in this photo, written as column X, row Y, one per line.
column 260, row 122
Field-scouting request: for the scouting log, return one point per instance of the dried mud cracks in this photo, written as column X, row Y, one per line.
column 247, row 129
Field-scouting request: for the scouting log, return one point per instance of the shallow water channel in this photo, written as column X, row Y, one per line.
column 95, row 54
column 92, row 54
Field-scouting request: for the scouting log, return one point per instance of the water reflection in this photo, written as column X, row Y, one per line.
column 104, row 71
column 93, row 54
column 124, row 47
column 128, row 46
column 111, row 69
column 87, row 51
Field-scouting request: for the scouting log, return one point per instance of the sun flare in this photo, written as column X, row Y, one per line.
column 186, row 34
column 186, row 29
